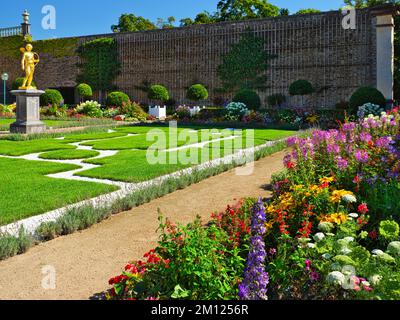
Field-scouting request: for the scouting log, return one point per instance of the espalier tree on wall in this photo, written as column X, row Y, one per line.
column 100, row 64
column 245, row 66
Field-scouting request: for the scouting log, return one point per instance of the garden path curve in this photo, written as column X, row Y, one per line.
column 84, row 261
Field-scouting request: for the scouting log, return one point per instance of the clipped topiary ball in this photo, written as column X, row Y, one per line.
column 301, row 88
column 249, row 97
column 365, row 95
column 117, row 99
column 18, row 83
column 51, row 97
column 197, row 92
column 84, row 90
column 159, row 93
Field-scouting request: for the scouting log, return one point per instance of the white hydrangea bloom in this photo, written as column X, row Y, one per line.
column 319, row 236
column 336, row 278
column 375, row 279
column 348, row 198
column 377, row 252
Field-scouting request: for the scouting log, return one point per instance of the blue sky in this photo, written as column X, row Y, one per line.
column 85, row 17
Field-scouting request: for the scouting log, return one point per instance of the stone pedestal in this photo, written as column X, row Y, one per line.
column 28, row 112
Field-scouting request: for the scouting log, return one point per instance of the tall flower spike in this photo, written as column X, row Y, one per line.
column 255, row 282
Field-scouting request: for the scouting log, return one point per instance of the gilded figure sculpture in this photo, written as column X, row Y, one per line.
column 29, row 62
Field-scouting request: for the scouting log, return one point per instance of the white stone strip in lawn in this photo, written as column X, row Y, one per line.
column 32, row 223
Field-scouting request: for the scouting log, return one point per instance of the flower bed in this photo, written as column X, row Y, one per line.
column 330, row 231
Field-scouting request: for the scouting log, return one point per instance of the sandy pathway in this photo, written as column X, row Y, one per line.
column 84, row 261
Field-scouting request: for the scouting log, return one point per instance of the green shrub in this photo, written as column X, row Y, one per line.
column 117, row 99
column 159, row 93
column 84, row 91
column 249, row 97
column 17, row 83
column 301, row 88
column 365, row 95
column 13, row 245
column 276, row 99
column 48, row 230
column 197, row 92
column 90, row 108
column 51, row 97
column 235, row 111
column 389, row 230
column 134, row 110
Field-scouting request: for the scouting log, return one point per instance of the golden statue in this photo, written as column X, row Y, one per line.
column 29, row 62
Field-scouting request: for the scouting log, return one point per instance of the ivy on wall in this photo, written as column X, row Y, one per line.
column 100, row 63
column 64, row 47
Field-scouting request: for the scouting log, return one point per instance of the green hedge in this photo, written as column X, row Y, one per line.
column 159, row 93
column 117, row 99
column 365, row 95
column 249, row 97
column 197, row 92
column 51, row 97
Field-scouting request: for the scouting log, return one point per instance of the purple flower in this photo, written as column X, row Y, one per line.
column 333, row 148
column 308, row 265
column 365, row 137
column 256, row 279
column 383, row 142
column 314, row 276
column 342, row 164
column 361, row 156
column 292, row 141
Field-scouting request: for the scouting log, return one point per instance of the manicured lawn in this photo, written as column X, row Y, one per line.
column 26, row 191
column 19, row 148
column 69, row 154
column 133, row 165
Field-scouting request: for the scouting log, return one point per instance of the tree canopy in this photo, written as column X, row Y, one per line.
column 307, row 11
column 130, row 23
column 245, row 9
column 367, row 3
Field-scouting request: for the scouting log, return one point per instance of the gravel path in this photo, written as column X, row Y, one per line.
column 84, row 261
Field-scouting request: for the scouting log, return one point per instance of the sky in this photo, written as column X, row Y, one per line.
column 87, row 17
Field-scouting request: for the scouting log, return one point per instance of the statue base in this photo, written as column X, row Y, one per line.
column 28, row 112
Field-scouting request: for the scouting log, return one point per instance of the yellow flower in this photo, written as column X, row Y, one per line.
column 326, row 180
column 312, row 118
column 337, row 195
column 337, row 218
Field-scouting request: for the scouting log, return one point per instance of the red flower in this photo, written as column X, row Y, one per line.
column 373, row 235
column 363, row 209
column 290, row 165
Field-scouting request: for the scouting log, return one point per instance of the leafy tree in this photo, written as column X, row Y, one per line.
column 245, row 9
column 367, row 3
column 185, row 22
column 245, row 65
column 169, row 24
column 284, row 12
column 307, row 11
column 100, row 63
column 130, row 23
column 202, row 18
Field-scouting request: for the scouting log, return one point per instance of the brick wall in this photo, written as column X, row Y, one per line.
column 313, row 47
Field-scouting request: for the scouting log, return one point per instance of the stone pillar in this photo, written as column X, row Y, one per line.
column 26, row 26
column 28, row 112
column 385, row 53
